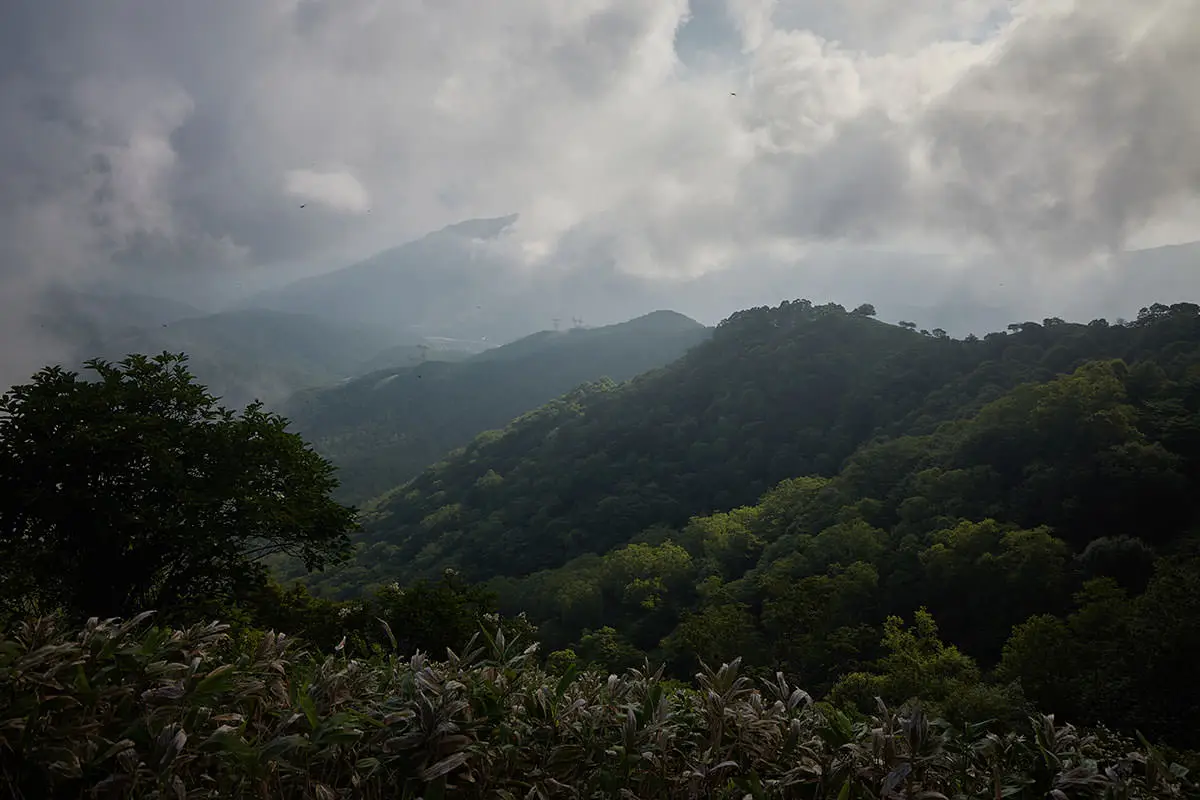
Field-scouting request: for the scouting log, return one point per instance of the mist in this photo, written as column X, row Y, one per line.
column 971, row 160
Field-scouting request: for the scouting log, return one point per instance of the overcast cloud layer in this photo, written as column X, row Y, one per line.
column 184, row 137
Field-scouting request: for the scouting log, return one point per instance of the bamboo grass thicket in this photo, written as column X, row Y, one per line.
column 126, row 709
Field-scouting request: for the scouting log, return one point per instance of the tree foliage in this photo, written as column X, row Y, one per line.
column 136, row 490
column 797, row 390
column 987, row 481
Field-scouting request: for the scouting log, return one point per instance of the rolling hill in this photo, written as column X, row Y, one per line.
column 777, row 393
column 382, row 429
column 256, row 353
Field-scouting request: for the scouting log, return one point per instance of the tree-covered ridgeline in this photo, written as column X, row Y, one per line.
column 1011, row 485
column 776, row 394
column 382, row 429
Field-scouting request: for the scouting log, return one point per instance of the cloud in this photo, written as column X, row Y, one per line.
column 340, row 191
column 884, row 27
column 147, row 138
column 1074, row 134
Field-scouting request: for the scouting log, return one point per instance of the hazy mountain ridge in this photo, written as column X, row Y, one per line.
column 256, row 353
column 451, row 282
column 383, row 428
column 655, row 326
column 432, row 285
column 83, row 319
column 408, row 355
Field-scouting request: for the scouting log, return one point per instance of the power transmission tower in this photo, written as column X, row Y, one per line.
column 556, row 321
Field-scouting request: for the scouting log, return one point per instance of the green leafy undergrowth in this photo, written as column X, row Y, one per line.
column 122, row 709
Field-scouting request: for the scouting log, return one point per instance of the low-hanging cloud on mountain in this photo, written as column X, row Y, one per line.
column 147, row 137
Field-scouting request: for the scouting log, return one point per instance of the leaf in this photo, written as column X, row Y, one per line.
column 171, row 740
column 178, row 741
column 59, row 703
column 565, row 754
column 445, row 766
column 227, row 739
column 216, row 681
column 399, row 716
column 565, row 681
column 336, row 731
column 895, row 777
column 309, row 708
column 282, row 745
column 388, row 630
column 367, row 765
column 118, row 747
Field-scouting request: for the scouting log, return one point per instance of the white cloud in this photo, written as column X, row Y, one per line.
column 181, row 135
column 339, row 190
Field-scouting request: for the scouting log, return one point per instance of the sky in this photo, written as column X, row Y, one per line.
column 218, row 141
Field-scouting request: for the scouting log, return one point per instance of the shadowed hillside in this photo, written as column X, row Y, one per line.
column 384, row 428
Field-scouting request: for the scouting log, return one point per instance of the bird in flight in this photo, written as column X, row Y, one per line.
column 302, row 205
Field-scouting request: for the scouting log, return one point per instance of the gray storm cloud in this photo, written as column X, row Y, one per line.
column 1077, row 131
column 142, row 137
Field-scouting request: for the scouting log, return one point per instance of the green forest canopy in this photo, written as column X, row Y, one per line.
column 784, row 489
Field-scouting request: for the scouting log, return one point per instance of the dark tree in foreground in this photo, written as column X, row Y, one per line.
column 136, row 490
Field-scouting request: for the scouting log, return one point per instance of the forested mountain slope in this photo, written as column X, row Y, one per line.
column 777, row 393
column 783, row 489
column 384, row 428
column 1051, row 535
column 410, row 355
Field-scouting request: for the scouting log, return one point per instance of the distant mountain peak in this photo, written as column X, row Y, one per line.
column 484, row 228
column 664, row 316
